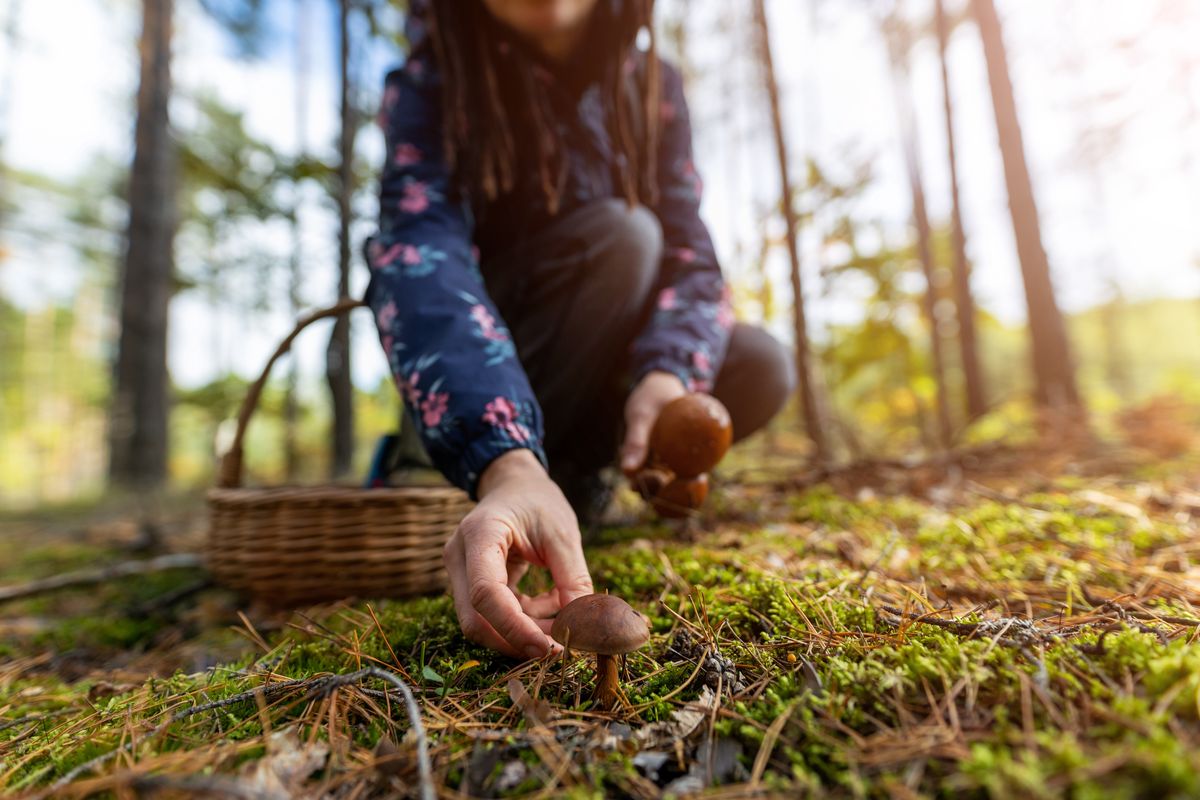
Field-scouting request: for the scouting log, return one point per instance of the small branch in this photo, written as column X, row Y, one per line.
column 89, row 577
column 164, row 602
column 314, row 685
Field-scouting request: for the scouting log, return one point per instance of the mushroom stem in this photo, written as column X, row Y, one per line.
column 608, row 686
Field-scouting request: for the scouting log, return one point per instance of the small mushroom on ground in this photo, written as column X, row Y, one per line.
column 690, row 436
column 610, row 628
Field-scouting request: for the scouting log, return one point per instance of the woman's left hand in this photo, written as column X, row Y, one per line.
column 645, row 402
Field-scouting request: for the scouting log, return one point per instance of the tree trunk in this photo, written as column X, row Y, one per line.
column 810, row 414
column 12, row 42
column 1054, row 372
column 337, row 355
column 964, row 302
column 138, row 416
column 908, row 135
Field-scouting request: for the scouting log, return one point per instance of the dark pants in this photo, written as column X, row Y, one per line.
column 575, row 296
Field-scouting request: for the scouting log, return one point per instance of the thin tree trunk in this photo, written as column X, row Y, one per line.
column 810, row 414
column 1054, row 372
column 964, row 302
column 337, row 355
column 908, row 136
column 12, row 40
column 291, row 455
column 138, row 416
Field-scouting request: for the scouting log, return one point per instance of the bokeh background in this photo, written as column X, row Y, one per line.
column 272, row 157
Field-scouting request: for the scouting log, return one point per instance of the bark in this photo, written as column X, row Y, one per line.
column 12, row 42
column 810, row 413
column 908, row 136
column 964, row 301
column 1054, row 372
column 138, row 415
column 337, row 355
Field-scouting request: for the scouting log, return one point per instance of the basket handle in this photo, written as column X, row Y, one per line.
column 231, row 463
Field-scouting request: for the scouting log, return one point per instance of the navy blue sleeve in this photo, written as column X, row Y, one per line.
column 449, row 351
column 689, row 330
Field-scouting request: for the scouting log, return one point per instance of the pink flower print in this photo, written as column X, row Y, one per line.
column 487, row 324
column 667, row 111
column 387, row 341
column 408, row 387
column 501, row 413
column 381, row 257
column 698, row 385
column 416, row 198
column 688, row 172
column 390, row 97
column 666, row 299
column 701, row 362
column 406, row 155
column 433, row 407
column 725, row 317
column 685, row 254
column 410, row 255
column 387, row 315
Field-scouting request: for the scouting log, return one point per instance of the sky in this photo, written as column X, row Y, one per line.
column 1132, row 220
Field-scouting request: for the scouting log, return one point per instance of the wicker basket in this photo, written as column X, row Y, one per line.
column 300, row 545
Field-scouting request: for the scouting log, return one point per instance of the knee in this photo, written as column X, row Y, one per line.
column 758, row 378
column 772, row 363
column 629, row 242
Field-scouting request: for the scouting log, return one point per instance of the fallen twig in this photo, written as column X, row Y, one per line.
column 321, row 684
column 89, row 577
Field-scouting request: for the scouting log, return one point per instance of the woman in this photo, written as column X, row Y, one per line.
column 542, row 282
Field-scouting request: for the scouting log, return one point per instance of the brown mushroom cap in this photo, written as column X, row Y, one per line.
column 600, row 623
column 691, row 434
column 681, row 497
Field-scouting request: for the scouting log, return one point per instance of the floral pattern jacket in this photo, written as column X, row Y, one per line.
column 452, row 356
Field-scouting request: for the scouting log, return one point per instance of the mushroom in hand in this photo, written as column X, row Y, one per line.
column 680, row 497
column 610, row 628
column 689, row 437
column 691, row 434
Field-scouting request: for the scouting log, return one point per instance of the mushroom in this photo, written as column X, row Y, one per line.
column 680, row 497
column 689, row 437
column 691, row 434
column 610, row 628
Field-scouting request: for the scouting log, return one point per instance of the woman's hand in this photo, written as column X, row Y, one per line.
column 522, row 518
column 645, row 402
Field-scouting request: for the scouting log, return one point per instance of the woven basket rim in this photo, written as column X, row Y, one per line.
column 251, row 495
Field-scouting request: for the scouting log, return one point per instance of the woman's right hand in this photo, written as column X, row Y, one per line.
column 522, row 519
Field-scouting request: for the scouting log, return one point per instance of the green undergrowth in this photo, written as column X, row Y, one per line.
column 849, row 689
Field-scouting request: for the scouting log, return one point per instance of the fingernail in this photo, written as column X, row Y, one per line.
column 533, row 651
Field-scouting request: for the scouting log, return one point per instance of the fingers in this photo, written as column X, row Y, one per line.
column 638, row 422
column 542, row 606
column 568, row 568
column 485, row 555
column 473, row 626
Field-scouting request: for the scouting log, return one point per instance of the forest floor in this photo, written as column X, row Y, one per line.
column 1017, row 622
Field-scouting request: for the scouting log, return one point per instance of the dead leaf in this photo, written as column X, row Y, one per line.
column 288, row 762
column 682, row 723
column 537, row 712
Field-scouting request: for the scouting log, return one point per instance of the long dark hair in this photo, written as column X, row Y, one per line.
column 497, row 114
